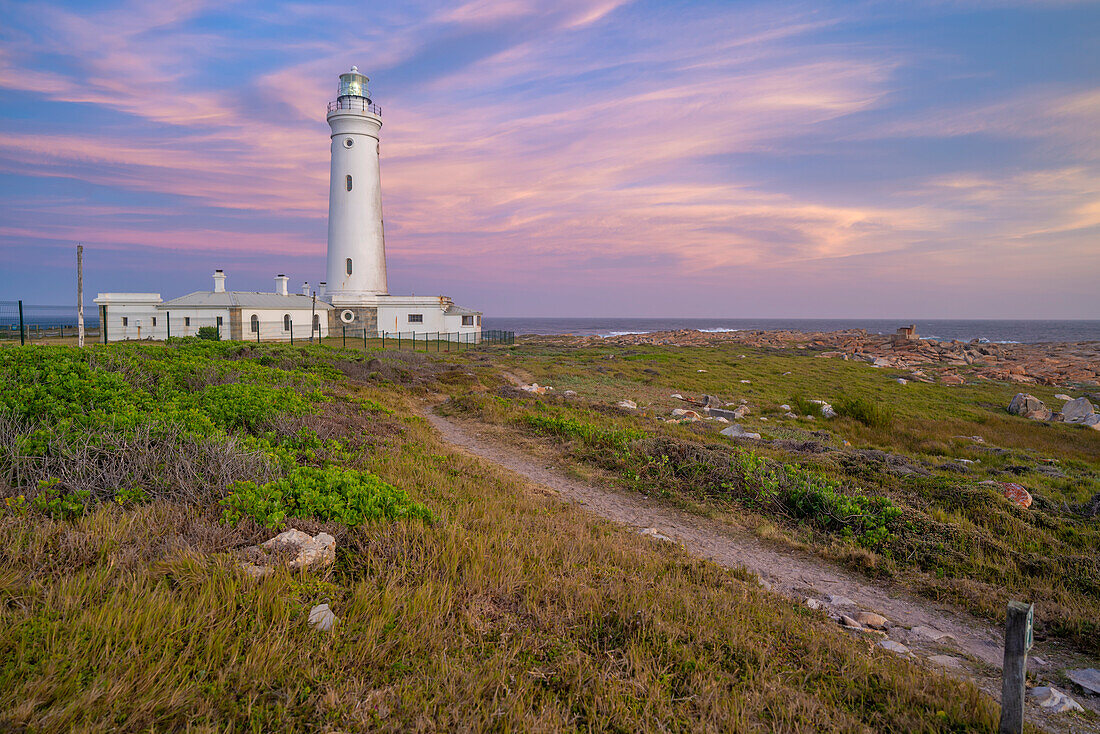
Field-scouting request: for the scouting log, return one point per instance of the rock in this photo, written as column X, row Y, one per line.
column 720, row 419
column 730, row 415
column 814, row 603
column 656, row 535
column 627, row 405
column 930, row 634
column 895, row 647
column 785, row 408
column 321, row 618
column 686, row 415
column 1087, row 678
column 1051, row 698
column 952, row 380
column 570, row 393
column 676, row 395
column 902, row 381
column 1092, row 421
column 1060, row 396
column 1075, row 411
column 839, row 601
column 827, row 411
column 789, row 414
column 736, row 431
column 1029, row 406
column 765, row 585
column 709, row 401
column 740, row 412
column 313, row 552
column 1016, row 492
column 946, row 661
column 746, row 382
column 846, row 621
column 872, row 620
column 700, row 370
column 536, row 388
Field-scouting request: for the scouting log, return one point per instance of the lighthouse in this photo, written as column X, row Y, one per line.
column 356, row 245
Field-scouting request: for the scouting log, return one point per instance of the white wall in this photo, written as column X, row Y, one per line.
column 271, row 323
column 129, row 315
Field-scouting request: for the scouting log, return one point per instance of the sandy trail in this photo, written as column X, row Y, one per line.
column 786, row 571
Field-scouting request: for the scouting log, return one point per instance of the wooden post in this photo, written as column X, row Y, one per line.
column 80, row 295
column 1017, row 643
column 313, row 321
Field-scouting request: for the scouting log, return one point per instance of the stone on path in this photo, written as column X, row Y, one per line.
column 894, row 647
column 737, row 431
column 946, row 661
column 1087, row 678
column 1076, row 411
column 1051, row 698
column 321, row 618
column 839, row 601
column 872, row 620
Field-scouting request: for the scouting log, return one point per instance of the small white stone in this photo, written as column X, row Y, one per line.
column 785, row 408
column 746, row 382
column 321, row 618
column 839, row 601
column 894, row 647
column 656, row 534
column 628, row 405
column 813, row 603
column 1051, row 698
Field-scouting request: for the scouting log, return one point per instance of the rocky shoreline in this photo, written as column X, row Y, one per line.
column 949, row 362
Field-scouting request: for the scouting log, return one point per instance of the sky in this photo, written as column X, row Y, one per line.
column 691, row 158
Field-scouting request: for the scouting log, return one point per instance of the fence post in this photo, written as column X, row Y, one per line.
column 22, row 332
column 344, row 333
column 1017, row 642
column 364, row 338
column 399, row 341
column 292, row 333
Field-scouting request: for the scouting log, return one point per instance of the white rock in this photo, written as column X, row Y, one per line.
column 313, row 552
column 1087, row 678
column 903, row 381
column 827, row 411
column 746, row 382
column 946, row 661
column 872, row 620
column 789, row 414
column 321, row 618
column 785, row 408
column 628, row 404
column 1075, row 411
column 570, row 393
column 894, row 647
column 814, row 603
column 740, row 356
column 700, row 370
column 1060, row 396
column 1051, row 698
column 293, row 537
column 736, row 431
column 839, row 601
column 676, row 395
column 720, row 419
column 656, row 534
column 763, row 418
column 1092, row 421
column 850, row 623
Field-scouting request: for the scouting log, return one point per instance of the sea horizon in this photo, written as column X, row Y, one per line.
column 1005, row 331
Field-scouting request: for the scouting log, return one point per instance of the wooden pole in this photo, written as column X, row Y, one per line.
column 313, row 321
column 1017, row 643
column 80, row 295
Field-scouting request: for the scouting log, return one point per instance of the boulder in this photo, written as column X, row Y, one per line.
column 813, row 603
column 1017, row 493
column 1051, row 698
column 895, row 647
column 709, row 401
column 952, row 380
column 321, row 618
column 740, row 412
column 850, row 623
column 1092, row 421
column 1060, row 396
column 730, row 415
column 736, row 431
column 872, row 620
column 312, row 552
column 827, row 411
column 685, row 415
column 1076, row 411
column 1029, row 406
column 1087, row 678
column 627, row 405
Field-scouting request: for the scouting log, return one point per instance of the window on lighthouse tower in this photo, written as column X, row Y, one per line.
column 347, row 264
column 349, row 182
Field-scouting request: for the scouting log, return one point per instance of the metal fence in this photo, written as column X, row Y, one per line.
column 57, row 324
column 25, row 322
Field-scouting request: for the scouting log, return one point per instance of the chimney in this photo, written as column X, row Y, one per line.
column 305, row 288
column 321, row 289
column 280, row 284
column 219, row 281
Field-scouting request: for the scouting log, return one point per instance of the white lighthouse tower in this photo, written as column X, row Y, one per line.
column 356, row 245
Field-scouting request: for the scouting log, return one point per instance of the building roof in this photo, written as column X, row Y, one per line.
column 247, row 299
column 455, row 309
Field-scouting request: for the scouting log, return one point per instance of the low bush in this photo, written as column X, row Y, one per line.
column 587, row 433
column 342, row 495
column 209, row 333
column 802, row 406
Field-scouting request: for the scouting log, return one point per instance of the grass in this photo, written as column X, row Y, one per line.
column 903, row 448
column 509, row 611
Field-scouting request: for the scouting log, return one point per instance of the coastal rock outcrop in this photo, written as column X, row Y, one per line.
column 309, row 552
column 1029, row 406
column 1077, row 411
column 737, row 431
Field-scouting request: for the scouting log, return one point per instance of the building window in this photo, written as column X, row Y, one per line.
column 317, row 322
column 348, row 142
column 125, row 321
column 467, row 320
column 154, row 321
column 347, row 316
column 219, row 322
column 479, row 320
column 347, row 265
column 255, row 321
column 348, row 182
column 416, row 318
column 186, row 320
column 286, row 322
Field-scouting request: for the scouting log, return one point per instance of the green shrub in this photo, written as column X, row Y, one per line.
column 802, row 406
column 867, row 412
column 587, row 433
column 58, row 504
column 344, row 495
column 209, row 333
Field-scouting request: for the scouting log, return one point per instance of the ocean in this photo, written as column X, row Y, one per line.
column 1000, row 331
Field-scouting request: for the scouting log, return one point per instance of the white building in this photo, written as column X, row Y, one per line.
column 356, row 300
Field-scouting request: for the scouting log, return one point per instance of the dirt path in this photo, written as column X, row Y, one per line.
column 973, row 642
